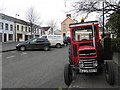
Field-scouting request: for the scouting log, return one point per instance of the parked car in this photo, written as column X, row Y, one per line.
column 55, row 40
column 66, row 40
column 35, row 43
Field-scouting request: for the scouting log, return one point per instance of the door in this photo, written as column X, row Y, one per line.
column 5, row 37
column 39, row 44
column 26, row 37
column 31, row 44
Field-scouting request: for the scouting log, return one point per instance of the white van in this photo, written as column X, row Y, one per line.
column 55, row 40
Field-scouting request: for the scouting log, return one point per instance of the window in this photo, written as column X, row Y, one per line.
column 21, row 28
column 11, row 27
column 35, row 30
column 18, row 27
column 80, row 34
column 10, row 36
column 44, row 36
column 26, row 29
column 29, row 29
column 1, row 25
column 32, row 41
column 6, row 26
column 64, row 23
column 64, row 29
column 39, row 40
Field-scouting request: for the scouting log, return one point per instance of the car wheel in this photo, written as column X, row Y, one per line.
column 46, row 48
column 58, row 45
column 65, row 44
column 22, row 48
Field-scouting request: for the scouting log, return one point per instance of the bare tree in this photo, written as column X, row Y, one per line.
column 2, row 8
column 88, row 6
column 33, row 18
column 53, row 24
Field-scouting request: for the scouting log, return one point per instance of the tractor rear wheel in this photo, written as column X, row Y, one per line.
column 67, row 74
column 70, row 55
column 109, row 73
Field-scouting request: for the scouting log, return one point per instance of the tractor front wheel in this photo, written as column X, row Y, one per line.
column 109, row 73
column 67, row 74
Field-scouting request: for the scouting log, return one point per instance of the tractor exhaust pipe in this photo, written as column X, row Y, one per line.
column 93, row 35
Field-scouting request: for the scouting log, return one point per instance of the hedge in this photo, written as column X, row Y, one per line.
column 116, row 44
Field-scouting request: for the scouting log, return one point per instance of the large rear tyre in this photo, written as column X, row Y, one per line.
column 109, row 73
column 70, row 55
column 67, row 74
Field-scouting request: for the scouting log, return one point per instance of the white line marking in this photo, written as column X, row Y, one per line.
column 10, row 57
column 23, row 53
column 13, row 51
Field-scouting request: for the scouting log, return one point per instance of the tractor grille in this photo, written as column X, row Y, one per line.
column 88, row 63
column 87, row 53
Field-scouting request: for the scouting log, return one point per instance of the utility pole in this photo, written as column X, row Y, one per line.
column 103, row 19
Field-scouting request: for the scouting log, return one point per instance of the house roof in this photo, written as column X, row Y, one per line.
column 46, row 28
column 9, row 18
column 66, row 19
column 12, row 19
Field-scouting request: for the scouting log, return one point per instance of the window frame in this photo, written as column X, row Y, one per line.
column 6, row 26
column 11, row 27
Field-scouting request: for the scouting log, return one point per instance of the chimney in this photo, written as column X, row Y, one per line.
column 68, row 15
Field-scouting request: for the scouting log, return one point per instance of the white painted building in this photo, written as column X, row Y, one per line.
column 23, row 31
column 6, row 29
column 48, row 30
column 12, row 29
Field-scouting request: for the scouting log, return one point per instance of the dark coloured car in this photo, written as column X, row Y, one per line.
column 35, row 43
column 66, row 40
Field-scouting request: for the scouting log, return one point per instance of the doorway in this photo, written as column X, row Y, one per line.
column 5, row 37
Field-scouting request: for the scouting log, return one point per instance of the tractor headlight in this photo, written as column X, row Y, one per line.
column 81, row 64
column 95, row 64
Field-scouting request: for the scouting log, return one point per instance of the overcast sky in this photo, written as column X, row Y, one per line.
column 47, row 9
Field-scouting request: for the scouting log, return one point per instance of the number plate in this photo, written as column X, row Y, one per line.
column 88, row 64
column 87, row 70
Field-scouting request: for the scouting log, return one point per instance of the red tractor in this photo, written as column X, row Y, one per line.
column 86, row 54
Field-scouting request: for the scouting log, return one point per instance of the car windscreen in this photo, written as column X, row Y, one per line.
column 80, row 34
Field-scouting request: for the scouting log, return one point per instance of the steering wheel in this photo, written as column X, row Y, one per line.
column 84, row 39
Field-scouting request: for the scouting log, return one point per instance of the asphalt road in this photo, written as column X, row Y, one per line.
column 43, row 69
column 34, row 69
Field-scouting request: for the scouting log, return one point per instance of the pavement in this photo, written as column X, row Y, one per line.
column 8, row 46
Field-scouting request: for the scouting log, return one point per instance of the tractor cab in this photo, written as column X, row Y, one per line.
column 84, row 43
